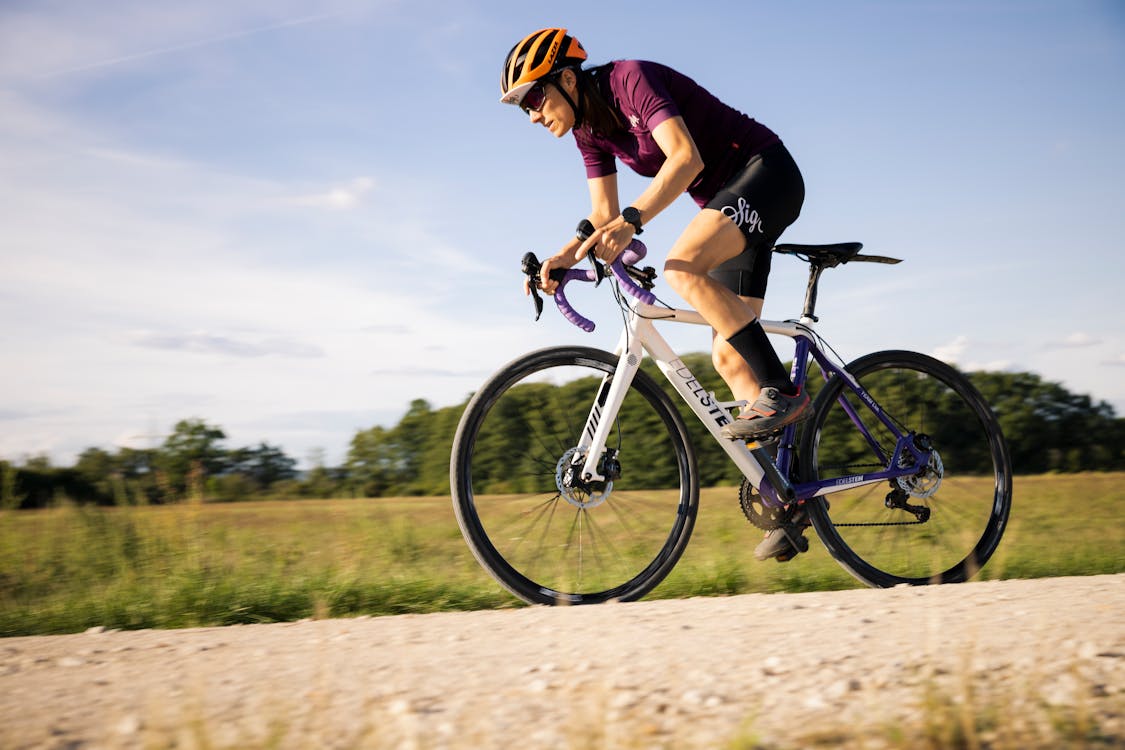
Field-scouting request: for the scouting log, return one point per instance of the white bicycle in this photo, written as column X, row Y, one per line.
column 574, row 478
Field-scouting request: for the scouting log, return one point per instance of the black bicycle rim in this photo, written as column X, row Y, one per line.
column 549, row 545
column 935, row 531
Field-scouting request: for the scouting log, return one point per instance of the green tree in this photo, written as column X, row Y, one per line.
column 191, row 454
column 264, row 465
column 410, row 440
column 99, row 469
column 412, row 458
column 10, row 496
column 137, row 468
column 1048, row 428
column 372, row 466
column 433, row 473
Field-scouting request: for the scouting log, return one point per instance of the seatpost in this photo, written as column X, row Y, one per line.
column 815, row 269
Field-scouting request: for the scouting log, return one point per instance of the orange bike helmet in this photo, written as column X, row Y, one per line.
column 539, row 54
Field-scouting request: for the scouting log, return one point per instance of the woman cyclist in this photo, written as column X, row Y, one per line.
column 665, row 126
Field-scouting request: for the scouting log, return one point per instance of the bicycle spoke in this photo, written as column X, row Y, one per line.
column 591, row 542
column 957, row 509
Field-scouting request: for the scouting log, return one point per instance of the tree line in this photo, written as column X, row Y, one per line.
column 1048, row 428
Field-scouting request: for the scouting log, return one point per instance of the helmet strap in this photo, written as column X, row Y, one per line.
column 578, row 109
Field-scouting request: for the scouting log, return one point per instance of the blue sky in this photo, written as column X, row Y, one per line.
column 290, row 218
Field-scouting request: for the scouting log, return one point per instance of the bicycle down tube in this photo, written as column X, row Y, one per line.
column 640, row 335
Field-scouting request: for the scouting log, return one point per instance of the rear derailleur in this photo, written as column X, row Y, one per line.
column 896, row 500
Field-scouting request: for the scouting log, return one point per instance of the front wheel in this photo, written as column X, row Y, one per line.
column 545, row 535
column 939, row 525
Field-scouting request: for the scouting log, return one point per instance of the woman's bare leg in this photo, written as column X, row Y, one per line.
column 710, row 239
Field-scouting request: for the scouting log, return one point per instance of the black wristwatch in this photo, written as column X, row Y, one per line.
column 633, row 216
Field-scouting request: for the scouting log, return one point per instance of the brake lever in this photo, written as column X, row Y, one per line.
column 530, row 266
column 599, row 268
column 584, row 231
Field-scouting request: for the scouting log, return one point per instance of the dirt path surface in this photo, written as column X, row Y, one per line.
column 866, row 668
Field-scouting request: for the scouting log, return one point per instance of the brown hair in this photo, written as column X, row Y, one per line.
column 599, row 116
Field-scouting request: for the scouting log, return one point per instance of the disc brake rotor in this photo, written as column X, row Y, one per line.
column 925, row 483
column 578, row 494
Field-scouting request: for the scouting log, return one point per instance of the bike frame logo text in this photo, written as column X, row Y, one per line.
column 701, row 394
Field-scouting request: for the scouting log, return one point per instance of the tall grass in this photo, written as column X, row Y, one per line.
column 70, row 568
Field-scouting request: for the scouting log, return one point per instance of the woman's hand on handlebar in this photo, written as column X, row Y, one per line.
column 609, row 242
column 546, row 283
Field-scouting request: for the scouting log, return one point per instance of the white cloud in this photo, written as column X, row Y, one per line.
column 1076, row 340
column 996, row 365
column 952, row 352
column 339, row 198
column 202, row 342
column 957, row 352
column 1118, row 361
column 148, row 289
column 102, row 36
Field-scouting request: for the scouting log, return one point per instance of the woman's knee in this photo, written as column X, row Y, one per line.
column 683, row 275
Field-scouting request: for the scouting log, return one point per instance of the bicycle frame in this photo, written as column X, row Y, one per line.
column 640, row 336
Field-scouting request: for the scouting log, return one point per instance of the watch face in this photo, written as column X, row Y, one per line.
column 631, row 215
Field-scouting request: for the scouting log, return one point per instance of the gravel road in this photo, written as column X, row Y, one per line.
column 1032, row 659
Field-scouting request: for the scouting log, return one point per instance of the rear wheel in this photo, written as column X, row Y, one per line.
column 543, row 534
column 937, row 526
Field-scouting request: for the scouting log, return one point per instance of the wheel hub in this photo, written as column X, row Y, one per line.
column 926, row 482
column 571, row 488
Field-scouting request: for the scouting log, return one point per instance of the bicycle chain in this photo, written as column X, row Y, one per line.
column 768, row 518
column 885, row 523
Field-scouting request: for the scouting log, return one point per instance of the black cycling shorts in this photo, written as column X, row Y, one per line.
column 763, row 199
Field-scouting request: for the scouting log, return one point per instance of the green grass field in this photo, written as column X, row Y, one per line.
column 67, row 569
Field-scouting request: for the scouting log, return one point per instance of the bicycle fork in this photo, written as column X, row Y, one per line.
column 599, row 464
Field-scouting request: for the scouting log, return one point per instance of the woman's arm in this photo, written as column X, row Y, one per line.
column 604, row 203
column 681, row 166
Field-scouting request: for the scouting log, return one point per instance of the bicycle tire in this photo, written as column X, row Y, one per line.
column 550, row 545
column 968, row 504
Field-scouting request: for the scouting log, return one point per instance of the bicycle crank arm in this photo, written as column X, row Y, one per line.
column 779, row 486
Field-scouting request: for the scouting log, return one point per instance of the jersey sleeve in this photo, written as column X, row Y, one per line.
column 644, row 94
column 599, row 162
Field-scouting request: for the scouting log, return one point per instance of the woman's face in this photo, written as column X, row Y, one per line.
column 555, row 114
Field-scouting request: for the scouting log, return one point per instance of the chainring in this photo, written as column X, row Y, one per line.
column 756, row 511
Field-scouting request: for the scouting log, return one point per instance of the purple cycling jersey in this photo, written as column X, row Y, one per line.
column 646, row 94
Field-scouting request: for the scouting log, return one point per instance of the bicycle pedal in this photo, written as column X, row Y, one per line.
column 797, row 545
column 791, row 553
column 799, row 541
column 765, row 441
